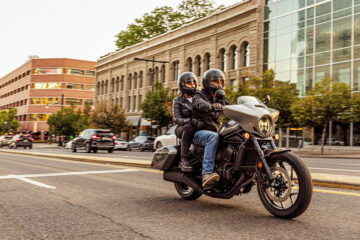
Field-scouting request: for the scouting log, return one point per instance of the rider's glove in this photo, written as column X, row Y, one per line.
column 216, row 107
column 197, row 123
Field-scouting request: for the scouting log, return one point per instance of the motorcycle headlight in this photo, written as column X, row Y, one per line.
column 265, row 126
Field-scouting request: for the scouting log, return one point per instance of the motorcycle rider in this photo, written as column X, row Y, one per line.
column 207, row 123
column 182, row 112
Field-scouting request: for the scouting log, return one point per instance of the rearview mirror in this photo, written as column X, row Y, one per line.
column 267, row 99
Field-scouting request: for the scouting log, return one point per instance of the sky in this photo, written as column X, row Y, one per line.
column 80, row 29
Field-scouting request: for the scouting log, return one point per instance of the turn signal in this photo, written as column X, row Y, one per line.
column 277, row 137
column 260, row 165
column 246, row 135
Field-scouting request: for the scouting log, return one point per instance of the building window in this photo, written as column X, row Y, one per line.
column 90, row 73
column 207, row 61
column 156, row 74
column 122, row 83
column 121, row 102
column 175, row 70
column 76, row 86
column 222, row 60
column 98, row 88
column 46, row 85
column 129, row 103
column 139, row 104
column 198, row 65
column 151, row 76
column 39, row 117
column 189, row 64
column 135, row 80
column 89, row 87
column 52, row 101
column 102, row 87
column 48, row 71
column 134, row 103
column 234, row 57
column 140, row 79
column 75, row 101
column 163, row 73
column 245, row 54
column 129, row 81
column 106, row 86
column 112, row 85
column 73, row 71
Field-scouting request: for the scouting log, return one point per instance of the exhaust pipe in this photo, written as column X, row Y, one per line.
column 179, row 177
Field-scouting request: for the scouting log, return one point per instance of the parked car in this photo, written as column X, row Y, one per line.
column 68, row 145
column 168, row 139
column 142, row 143
column 120, row 144
column 333, row 142
column 94, row 140
column 21, row 140
column 5, row 140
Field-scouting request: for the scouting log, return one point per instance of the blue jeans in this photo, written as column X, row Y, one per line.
column 210, row 141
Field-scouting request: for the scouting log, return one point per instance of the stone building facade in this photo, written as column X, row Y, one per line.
column 230, row 40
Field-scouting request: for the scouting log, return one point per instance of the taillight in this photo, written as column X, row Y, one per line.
column 95, row 137
column 113, row 137
column 31, row 139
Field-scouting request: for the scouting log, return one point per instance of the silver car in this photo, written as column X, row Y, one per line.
column 120, row 144
column 168, row 139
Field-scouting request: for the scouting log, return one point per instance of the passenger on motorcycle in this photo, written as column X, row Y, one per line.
column 206, row 121
column 182, row 112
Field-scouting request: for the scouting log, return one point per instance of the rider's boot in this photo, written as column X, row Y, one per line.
column 185, row 165
column 209, row 180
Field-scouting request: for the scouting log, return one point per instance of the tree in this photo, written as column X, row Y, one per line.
column 156, row 106
column 163, row 19
column 328, row 101
column 282, row 94
column 109, row 117
column 68, row 121
column 8, row 122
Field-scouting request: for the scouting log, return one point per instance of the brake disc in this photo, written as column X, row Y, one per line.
column 281, row 173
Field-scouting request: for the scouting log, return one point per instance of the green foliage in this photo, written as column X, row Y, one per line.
column 67, row 122
column 157, row 105
column 108, row 117
column 8, row 122
column 163, row 19
column 283, row 94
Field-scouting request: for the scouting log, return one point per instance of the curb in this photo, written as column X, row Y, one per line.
column 318, row 179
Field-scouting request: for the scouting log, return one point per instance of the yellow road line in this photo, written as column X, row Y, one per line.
column 337, row 192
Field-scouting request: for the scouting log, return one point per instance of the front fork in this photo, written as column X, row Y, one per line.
column 262, row 158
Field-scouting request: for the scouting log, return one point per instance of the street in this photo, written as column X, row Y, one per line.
column 45, row 198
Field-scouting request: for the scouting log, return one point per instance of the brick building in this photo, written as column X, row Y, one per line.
column 41, row 87
column 230, row 40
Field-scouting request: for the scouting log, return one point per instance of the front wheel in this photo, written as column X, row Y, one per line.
column 111, row 150
column 186, row 192
column 289, row 195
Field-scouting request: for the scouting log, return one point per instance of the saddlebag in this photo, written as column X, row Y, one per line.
column 165, row 157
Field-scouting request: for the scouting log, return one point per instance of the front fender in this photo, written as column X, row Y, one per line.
column 276, row 151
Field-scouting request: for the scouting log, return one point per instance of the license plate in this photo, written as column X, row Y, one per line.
column 106, row 138
column 26, row 141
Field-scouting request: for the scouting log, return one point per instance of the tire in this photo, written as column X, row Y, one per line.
column 30, row 147
column 158, row 145
column 88, row 148
column 95, row 150
column 141, row 148
column 24, row 147
column 73, row 149
column 15, row 147
column 303, row 190
column 186, row 192
column 128, row 149
column 111, row 150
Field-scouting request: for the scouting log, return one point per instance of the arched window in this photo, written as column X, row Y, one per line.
column 198, row 65
column 122, row 83
column 129, row 81
column 135, row 81
column 234, row 57
column 207, row 61
column 117, row 84
column 98, row 89
column 156, row 74
column 222, row 59
column 175, row 70
column 112, row 85
column 140, row 79
column 151, row 76
column 106, row 86
column 102, row 87
column 189, row 64
column 245, row 54
column 163, row 72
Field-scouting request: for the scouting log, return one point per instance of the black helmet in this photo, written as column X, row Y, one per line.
column 213, row 75
column 184, row 78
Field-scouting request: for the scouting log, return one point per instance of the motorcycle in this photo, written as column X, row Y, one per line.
column 247, row 156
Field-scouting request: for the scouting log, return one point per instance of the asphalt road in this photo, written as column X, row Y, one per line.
column 336, row 166
column 66, row 201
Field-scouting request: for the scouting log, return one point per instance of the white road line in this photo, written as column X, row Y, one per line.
column 35, row 182
column 335, row 169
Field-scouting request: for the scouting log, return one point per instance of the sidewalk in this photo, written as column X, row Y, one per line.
column 327, row 180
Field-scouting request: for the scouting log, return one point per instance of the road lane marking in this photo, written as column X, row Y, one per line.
column 337, row 192
column 335, row 169
column 39, row 184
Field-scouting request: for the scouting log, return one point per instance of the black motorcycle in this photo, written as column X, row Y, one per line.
column 247, row 155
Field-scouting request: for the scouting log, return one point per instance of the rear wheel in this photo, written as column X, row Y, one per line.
column 88, row 148
column 141, row 148
column 73, row 148
column 110, row 150
column 95, row 150
column 30, row 147
column 186, row 192
column 289, row 195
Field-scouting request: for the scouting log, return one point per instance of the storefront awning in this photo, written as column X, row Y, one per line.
column 133, row 120
column 144, row 122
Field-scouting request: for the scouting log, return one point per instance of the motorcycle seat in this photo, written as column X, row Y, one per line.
column 197, row 149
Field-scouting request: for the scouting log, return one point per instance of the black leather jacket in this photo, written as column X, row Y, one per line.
column 182, row 110
column 201, row 103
